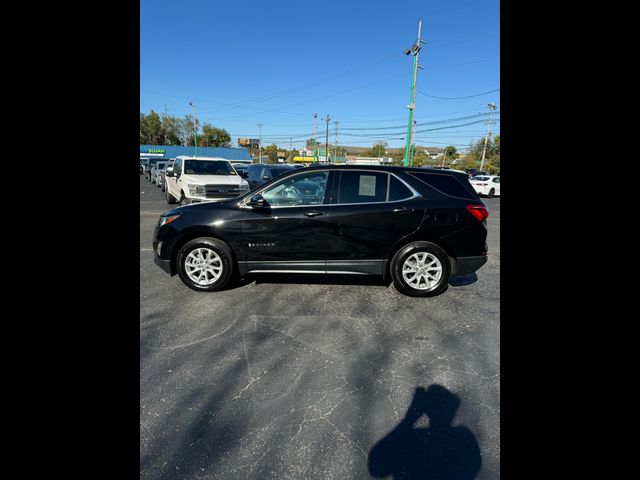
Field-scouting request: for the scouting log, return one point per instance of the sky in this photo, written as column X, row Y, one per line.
column 278, row 62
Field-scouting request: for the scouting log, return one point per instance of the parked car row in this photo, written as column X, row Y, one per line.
column 418, row 226
column 196, row 179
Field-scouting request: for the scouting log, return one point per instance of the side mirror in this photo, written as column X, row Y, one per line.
column 169, row 172
column 244, row 174
column 257, row 202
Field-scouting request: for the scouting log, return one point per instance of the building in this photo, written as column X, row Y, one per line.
column 165, row 152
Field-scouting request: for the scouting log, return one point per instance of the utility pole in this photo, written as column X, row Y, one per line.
column 290, row 148
column 326, row 145
column 415, row 51
column 315, row 125
column 260, row 143
column 195, row 129
column 492, row 107
column 335, row 147
column 413, row 142
column 444, row 156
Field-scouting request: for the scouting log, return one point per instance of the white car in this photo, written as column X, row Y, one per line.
column 157, row 173
column 488, row 185
column 202, row 179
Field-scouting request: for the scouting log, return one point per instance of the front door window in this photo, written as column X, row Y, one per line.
column 305, row 189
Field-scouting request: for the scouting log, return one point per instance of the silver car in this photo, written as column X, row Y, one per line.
column 157, row 173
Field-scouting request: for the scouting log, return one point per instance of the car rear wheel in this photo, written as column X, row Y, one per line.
column 421, row 269
column 205, row 264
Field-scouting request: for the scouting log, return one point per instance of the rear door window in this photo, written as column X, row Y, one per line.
column 362, row 187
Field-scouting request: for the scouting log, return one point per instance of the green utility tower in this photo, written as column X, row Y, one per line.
column 415, row 51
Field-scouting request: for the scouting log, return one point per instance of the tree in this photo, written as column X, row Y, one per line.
column 450, row 153
column 187, row 131
column 291, row 154
column 272, row 152
column 171, row 131
column 151, row 129
column 492, row 156
column 378, row 150
column 214, row 137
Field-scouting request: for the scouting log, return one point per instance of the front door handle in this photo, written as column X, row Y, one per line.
column 314, row 213
column 402, row 210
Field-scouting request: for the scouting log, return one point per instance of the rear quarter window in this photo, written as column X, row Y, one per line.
column 450, row 185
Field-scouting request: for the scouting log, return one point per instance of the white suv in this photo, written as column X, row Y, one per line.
column 202, row 179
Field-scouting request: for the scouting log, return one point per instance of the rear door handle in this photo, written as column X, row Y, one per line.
column 402, row 210
column 314, row 213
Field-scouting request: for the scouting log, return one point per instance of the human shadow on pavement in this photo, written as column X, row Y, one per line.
column 439, row 451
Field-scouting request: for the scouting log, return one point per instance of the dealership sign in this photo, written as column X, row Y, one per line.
column 152, row 152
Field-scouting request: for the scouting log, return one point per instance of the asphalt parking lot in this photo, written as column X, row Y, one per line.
column 291, row 377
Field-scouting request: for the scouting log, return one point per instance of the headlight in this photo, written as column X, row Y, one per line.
column 244, row 187
column 167, row 220
column 196, row 190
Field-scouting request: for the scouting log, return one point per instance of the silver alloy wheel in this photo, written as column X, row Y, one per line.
column 422, row 271
column 203, row 266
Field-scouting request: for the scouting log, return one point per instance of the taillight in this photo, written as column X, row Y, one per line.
column 478, row 211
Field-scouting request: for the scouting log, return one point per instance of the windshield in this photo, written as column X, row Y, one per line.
column 208, row 167
column 482, row 179
column 161, row 165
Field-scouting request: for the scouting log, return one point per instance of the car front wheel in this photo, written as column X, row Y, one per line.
column 421, row 269
column 492, row 192
column 205, row 264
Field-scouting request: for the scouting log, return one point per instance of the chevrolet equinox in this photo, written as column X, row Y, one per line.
column 419, row 226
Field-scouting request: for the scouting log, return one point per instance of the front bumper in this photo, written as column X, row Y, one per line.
column 464, row 265
column 163, row 264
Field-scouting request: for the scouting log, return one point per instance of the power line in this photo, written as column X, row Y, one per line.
column 459, row 98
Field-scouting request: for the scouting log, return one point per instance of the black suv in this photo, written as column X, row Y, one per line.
column 420, row 226
column 260, row 173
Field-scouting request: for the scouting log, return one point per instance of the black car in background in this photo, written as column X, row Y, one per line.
column 241, row 168
column 418, row 226
column 260, row 173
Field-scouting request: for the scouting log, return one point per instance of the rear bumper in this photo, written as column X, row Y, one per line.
column 464, row 265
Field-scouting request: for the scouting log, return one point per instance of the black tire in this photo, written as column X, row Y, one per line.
column 170, row 198
column 397, row 262
column 492, row 193
column 183, row 200
column 221, row 249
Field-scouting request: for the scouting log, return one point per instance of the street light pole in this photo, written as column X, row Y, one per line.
column 415, row 51
column 492, row 107
column 195, row 129
column 260, row 143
